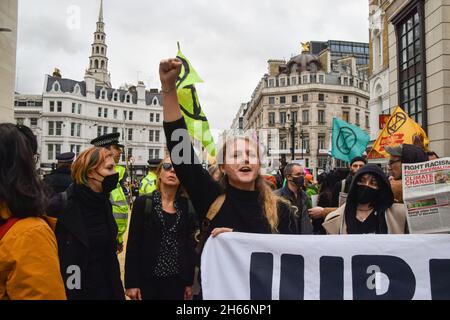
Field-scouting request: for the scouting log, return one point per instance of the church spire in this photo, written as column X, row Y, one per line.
column 100, row 14
column 98, row 61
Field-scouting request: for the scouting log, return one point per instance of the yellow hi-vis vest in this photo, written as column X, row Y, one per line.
column 120, row 205
column 148, row 184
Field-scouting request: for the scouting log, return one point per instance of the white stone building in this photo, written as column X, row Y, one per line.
column 306, row 93
column 70, row 113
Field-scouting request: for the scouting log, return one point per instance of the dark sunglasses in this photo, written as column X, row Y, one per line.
column 167, row 166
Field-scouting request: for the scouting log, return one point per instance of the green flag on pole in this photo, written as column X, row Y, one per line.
column 191, row 109
column 348, row 141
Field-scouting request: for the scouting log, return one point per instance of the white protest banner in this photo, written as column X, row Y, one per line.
column 238, row 266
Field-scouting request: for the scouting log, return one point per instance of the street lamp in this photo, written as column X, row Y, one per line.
column 301, row 138
column 292, row 136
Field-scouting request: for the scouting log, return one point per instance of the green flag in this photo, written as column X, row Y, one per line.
column 191, row 109
column 348, row 141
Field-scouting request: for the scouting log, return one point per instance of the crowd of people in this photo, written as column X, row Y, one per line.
column 60, row 237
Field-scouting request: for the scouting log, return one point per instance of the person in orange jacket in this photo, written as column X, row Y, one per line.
column 29, row 264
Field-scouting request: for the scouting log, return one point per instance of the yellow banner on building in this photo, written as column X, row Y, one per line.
column 400, row 129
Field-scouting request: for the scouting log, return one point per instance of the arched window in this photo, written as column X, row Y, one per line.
column 56, row 86
column 76, row 89
column 115, row 96
column 103, row 64
column 128, row 98
column 155, row 101
column 96, row 64
column 103, row 50
column 96, row 49
column 103, row 94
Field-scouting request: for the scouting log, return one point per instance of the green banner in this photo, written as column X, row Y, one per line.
column 191, row 109
column 348, row 140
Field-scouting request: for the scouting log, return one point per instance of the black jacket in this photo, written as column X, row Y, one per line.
column 73, row 245
column 144, row 240
column 304, row 225
column 59, row 179
column 242, row 210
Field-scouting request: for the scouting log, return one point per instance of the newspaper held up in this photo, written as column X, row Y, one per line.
column 426, row 193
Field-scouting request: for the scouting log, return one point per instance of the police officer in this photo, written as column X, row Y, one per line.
column 148, row 184
column 60, row 178
column 118, row 197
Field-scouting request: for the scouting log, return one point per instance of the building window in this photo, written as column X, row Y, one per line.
column 130, row 115
column 130, row 134
column 271, row 83
column 313, row 78
column 321, row 142
column 99, row 112
column 346, row 116
column 282, row 117
column 293, row 81
column 58, row 130
column 75, row 148
column 305, row 98
column 321, row 97
column 294, row 99
column 305, row 142
column 156, row 135
column 130, row 152
column 282, row 100
column 115, row 96
column 411, row 62
column 103, row 94
column 271, row 118
column 282, row 82
column 127, row 99
column 305, row 79
column 294, row 116
column 357, row 101
column 271, row 100
column 33, row 122
column 321, row 79
column 20, row 121
column 152, row 116
column 74, row 105
column 345, row 99
column 72, row 129
column 52, row 106
column 157, row 117
column 50, row 150
column 51, row 128
column 124, row 115
column 105, row 113
column 115, row 113
column 305, row 116
column 151, row 135
column 357, row 118
column 367, row 122
column 321, row 116
column 115, row 129
column 99, row 131
column 59, row 106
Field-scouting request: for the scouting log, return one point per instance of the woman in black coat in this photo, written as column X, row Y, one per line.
column 160, row 258
column 86, row 230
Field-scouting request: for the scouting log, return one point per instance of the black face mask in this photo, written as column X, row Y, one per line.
column 365, row 194
column 109, row 183
column 299, row 181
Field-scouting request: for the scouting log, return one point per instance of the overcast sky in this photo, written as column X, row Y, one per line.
column 227, row 41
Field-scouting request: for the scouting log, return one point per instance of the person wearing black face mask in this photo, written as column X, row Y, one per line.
column 86, row 230
column 370, row 207
column 293, row 192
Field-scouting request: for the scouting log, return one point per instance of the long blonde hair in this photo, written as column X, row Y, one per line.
column 267, row 198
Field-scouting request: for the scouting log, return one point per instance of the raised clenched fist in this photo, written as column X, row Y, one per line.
column 169, row 70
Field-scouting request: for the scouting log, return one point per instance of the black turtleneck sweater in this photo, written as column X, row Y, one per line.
column 242, row 210
column 94, row 208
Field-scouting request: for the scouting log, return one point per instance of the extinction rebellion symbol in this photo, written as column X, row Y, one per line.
column 346, row 140
column 396, row 122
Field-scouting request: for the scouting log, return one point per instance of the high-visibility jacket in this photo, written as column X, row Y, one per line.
column 120, row 205
column 148, row 184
